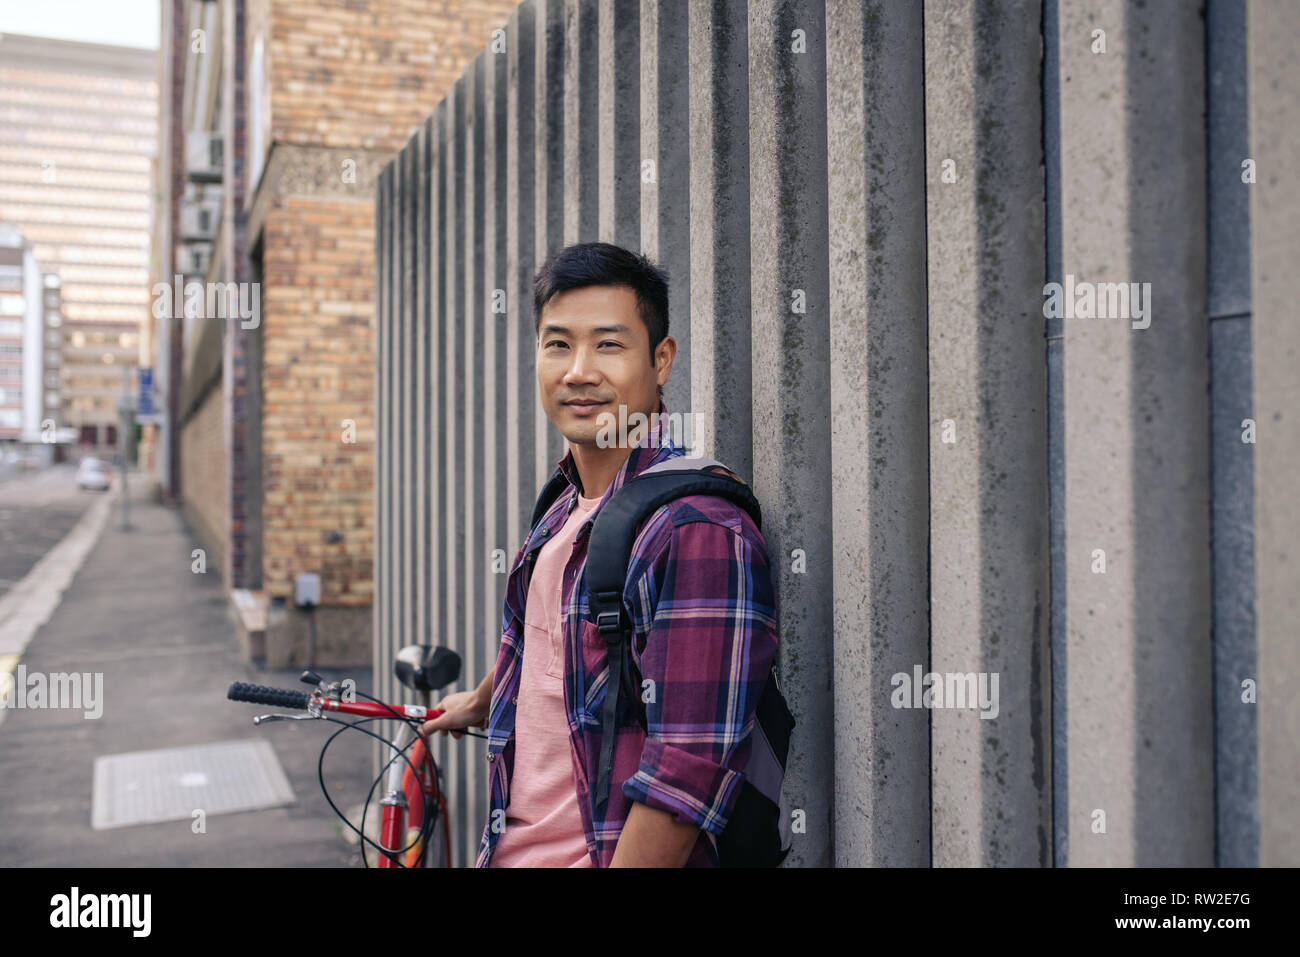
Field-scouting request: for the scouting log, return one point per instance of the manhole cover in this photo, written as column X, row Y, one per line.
column 144, row 787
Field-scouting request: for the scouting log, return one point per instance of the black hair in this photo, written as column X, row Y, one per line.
column 604, row 264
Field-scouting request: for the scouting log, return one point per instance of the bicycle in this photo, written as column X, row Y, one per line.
column 422, row 668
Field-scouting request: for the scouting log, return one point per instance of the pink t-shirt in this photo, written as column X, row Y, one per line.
column 543, row 824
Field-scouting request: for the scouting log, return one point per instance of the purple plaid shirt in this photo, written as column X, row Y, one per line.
column 699, row 596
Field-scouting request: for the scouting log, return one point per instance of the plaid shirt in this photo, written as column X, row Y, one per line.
column 699, row 597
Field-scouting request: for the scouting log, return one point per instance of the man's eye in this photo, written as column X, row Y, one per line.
column 554, row 342
column 611, row 342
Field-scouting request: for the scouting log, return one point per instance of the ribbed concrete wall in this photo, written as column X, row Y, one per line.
column 1274, row 64
column 859, row 204
column 987, row 389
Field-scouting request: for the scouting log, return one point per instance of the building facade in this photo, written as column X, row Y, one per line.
column 277, row 117
column 77, row 135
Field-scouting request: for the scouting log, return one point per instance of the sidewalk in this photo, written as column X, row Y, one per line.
column 165, row 642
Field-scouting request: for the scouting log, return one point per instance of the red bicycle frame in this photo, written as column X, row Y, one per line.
column 408, row 785
column 402, row 806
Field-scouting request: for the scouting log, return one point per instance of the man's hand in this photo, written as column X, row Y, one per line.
column 464, row 709
column 654, row 838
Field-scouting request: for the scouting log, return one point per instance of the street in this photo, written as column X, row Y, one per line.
column 36, row 510
column 164, row 642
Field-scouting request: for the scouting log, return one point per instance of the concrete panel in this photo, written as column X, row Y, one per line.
column 666, row 197
column 720, row 377
column 1096, row 246
column 1275, row 288
column 1228, row 122
column 474, row 447
column 581, row 102
column 420, row 387
column 1055, row 433
column 1172, row 651
column 987, row 434
column 406, row 407
column 496, row 437
column 383, row 334
column 619, row 96
column 455, row 397
column 1236, row 768
column 522, row 480
column 439, row 371
column 1132, row 158
column 790, row 295
column 551, row 195
column 875, row 125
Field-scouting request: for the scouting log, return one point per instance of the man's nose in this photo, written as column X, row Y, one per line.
column 582, row 367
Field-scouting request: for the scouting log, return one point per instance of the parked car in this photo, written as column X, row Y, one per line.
column 93, row 474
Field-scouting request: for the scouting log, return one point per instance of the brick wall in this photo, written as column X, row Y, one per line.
column 203, row 474
column 365, row 73
column 318, row 370
column 346, row 84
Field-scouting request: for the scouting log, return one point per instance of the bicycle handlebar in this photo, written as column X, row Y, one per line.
column 301, row 700
column 275, row 697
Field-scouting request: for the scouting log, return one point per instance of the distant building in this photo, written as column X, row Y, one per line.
column 30, row 351
column 78, row 130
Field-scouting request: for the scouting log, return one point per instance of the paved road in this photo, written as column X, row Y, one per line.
column 163, row 639
column 36, row 510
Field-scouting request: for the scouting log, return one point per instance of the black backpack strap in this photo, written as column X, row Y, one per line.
column 609, row 551
column 554, row 486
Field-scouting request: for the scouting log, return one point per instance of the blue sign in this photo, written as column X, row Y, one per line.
column 145, row 404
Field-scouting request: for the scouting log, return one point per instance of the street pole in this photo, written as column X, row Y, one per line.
column 124, row 418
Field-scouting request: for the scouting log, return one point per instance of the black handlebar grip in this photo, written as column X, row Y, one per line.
column 276, row 697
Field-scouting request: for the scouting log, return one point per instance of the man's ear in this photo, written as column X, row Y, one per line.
column 664, row 354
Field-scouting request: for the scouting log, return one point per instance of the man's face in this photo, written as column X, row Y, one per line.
column 593, row 355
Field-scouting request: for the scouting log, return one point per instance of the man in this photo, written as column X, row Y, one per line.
column 698, row 594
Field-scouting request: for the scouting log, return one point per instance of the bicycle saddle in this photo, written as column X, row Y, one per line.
column 426, row 667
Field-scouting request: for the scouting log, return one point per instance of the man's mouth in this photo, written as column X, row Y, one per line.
column 583, row 406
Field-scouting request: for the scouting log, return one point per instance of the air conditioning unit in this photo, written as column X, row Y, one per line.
column 199, row 218
column 193, row 259
column 203, row 156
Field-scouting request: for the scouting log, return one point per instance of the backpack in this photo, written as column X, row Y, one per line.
column 757, row 833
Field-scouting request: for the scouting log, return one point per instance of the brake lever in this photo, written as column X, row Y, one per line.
column 263, row 718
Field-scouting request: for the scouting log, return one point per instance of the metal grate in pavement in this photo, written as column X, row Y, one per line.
column 144, row 787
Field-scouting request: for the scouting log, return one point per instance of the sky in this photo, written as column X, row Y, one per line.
column 132, row 23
